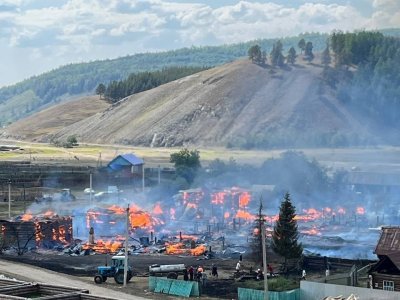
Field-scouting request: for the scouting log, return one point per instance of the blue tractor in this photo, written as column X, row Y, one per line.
column 116, row 270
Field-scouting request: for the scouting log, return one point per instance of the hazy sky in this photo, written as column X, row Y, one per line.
column 40, row 35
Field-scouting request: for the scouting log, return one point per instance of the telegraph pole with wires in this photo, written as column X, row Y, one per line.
column 264, row 254
column 126, row 247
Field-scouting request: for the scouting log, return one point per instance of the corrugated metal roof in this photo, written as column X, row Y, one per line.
column 389, row 244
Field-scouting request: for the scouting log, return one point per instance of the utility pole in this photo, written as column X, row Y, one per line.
column 159, row 174
column 9, row 199
column 126, row 247
column 264, row 250
column 90, row 187
column 143, row 177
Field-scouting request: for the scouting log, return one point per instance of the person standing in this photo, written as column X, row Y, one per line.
column 191, row 271
column 203, row 279
column 303, row 275
column 270, row 270
column 214, row 270
column 185, row 275
column 238, row 267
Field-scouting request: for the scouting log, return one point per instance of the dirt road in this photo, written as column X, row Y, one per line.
column 36, row 274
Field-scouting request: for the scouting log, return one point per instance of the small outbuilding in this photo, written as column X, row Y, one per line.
column 385, row 274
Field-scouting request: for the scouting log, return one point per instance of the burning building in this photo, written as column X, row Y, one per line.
column 110, row 221
column 46, row 230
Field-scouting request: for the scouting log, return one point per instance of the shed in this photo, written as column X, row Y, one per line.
column 385, row 274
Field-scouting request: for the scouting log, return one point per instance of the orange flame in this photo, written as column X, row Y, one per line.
column 175, row 248
column 218, row 198
column 360, row 210
column 199, row 250
column 311, row 231
column 157, row 210
column 244, row 215
column 244, row 199
column 191, row 205
column 104, row 247
column 116, row 209
column 179, row 248
column 27, row 217
column 271, row 219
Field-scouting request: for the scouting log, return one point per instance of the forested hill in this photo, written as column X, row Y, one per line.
column 39, row 92
column 346, row 95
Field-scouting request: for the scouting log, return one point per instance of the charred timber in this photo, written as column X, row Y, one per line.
column 39, row 233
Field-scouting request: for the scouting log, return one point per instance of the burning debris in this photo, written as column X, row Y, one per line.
column 197, row 212
column 110, row 220
column 46, row 230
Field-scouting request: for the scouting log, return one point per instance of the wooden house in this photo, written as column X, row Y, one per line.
column 385, row 274
column 126, row 166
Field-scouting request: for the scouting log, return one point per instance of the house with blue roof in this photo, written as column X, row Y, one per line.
column 126, row 166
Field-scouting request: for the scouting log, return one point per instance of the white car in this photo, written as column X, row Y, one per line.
column 88, row 191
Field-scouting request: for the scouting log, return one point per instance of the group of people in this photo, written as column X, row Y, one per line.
column 199, row 274
column 260, row 273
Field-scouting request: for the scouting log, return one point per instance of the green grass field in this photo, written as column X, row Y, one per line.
column 376, row 159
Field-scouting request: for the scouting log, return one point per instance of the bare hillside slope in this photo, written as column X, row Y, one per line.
column 51, row 120
column 231, row 104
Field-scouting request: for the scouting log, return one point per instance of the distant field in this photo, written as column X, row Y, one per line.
column 377, row 159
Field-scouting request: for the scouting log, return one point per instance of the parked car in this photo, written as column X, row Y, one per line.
column 88, row 191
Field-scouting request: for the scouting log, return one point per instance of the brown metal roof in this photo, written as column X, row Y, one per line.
column 389, row 244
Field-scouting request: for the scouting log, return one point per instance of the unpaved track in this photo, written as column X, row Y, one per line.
column 36, row 274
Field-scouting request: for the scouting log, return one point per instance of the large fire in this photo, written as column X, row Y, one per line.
column 180, row 248
column 36, row 230
column 114, row 216
column 101, row 246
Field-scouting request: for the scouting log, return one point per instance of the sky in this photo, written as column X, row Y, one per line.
column 40, row 35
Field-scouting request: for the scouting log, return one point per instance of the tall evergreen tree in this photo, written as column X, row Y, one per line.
column 255, row 54
column 285, row 235
column 257, row 241
column 302, row 45
column 308, row 54
column 100, row 90
column 291, row 56
column 326, row 56
column 277, row 58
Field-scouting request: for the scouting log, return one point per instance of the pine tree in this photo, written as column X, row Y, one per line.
column 285, row 235
column 277, row 58
column 255, row 54
column 291, row 57
column 100, row 90
column 308, row 54
column 257, row 241
column 326, row 56
column 302, row 45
